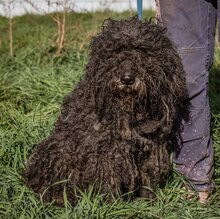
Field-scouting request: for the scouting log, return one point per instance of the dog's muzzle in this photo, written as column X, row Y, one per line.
column 127, row 78
column 127, row 85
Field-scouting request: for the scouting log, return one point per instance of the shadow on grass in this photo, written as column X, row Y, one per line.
column 214, row 89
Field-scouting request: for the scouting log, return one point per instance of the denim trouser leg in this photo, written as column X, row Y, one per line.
column 191, row 26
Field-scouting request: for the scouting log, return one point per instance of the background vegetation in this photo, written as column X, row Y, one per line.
column 35, row 75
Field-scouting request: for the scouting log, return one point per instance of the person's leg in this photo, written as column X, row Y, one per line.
column 191, row 26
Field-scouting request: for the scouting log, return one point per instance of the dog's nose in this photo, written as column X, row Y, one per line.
column 127, row 79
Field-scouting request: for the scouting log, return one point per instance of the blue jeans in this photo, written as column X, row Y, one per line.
column 191, row 26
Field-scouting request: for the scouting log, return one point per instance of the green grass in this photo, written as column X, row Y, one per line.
column 33, row 84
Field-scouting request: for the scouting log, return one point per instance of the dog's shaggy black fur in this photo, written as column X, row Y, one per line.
column 114, row 128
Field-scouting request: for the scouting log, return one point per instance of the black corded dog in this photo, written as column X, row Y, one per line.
column 114, row 127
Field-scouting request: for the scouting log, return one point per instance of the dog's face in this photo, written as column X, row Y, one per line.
column 126, row 81
column 134, row 69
